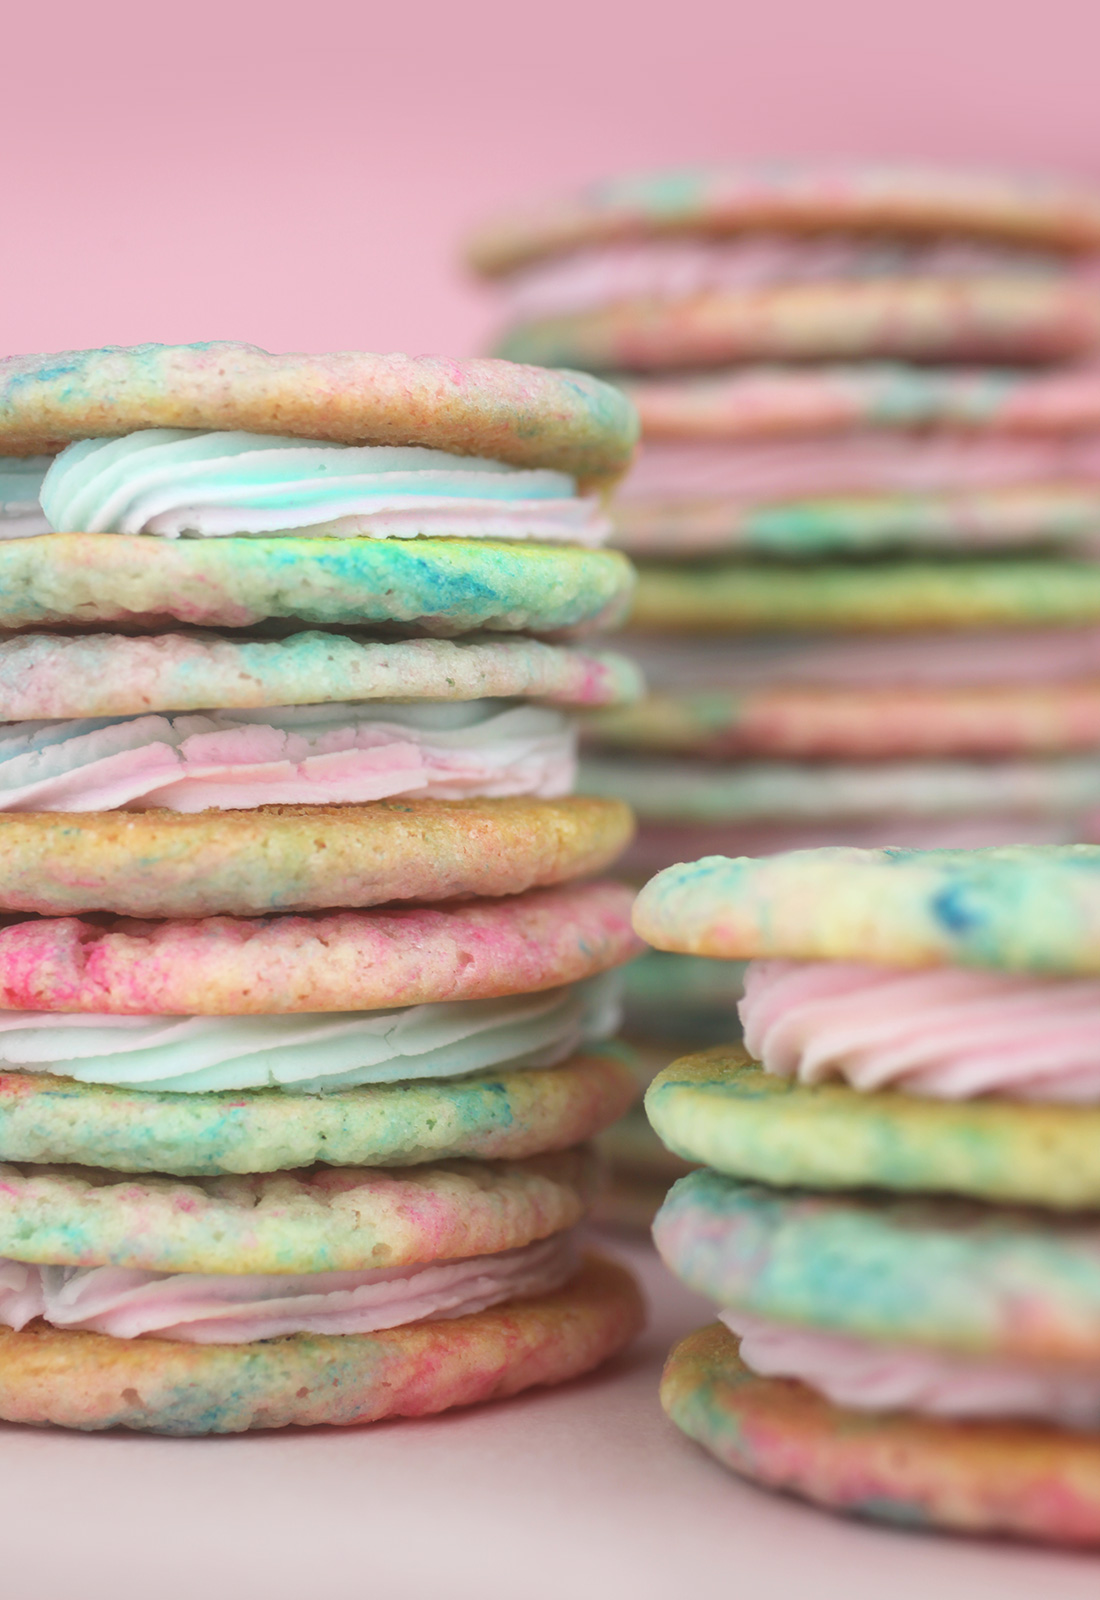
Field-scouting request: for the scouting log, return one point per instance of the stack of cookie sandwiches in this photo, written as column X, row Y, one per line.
column 899, row 1209
column 305, row 978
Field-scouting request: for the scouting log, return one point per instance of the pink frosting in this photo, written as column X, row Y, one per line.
column 870, row 1376
column 946, row 1032
column 863, row 462
column 672, row 269
column 247, row 764
column 207, row 1308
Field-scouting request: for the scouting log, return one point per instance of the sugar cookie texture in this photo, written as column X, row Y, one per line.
column 898, row 1207
column 246, row 594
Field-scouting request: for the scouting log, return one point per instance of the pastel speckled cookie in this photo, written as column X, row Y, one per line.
column 720, row 1109
column 438, row 586
column 322, row 1220
column 946, row 1274
column 523, row 416
column 1028, row 1480
column 1026, row 909
column 879, row 597
column 800, row 198
column 985, row 319
column 497, row 1116
column 300, row 858
column 110, row 674
column 90, row 1381
column 343, row 961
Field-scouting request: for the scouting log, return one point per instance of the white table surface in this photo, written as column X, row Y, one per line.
column 583, row 1491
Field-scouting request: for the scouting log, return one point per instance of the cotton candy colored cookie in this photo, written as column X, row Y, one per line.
column 1026, row 910
column 89, row 1381
column 865, row 723
column 721, row 1109
column 321, row 1220
column 879, row 597
column 498, row 1116
column 994, row 1477
column 441, row 586
column 111, row 674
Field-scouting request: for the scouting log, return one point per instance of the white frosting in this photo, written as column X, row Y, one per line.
column 1026, row 656
column 311, row 1053
column 173, row 482
column 21, row 514
column 676, row 268
column 207, row 1308
column 288, row 755
column 947, row 1032
column 862, row 462
column 869, row 1376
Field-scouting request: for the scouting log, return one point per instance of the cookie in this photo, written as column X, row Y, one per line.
column 301, row 858
column 993, row 1477
column 721, row 1109
column 497, row 1116
column 979, row 1280
column 435, row 586
column 44, row 675
column 1026, row 910
column 90, row 1381
column 565, row 421
column 341, row 961
column 877, row 597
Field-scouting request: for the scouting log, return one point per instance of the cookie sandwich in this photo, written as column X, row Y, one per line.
column 307, row 983
column 897, row 1208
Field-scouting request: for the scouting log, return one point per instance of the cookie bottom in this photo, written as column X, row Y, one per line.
column 1023, row 1479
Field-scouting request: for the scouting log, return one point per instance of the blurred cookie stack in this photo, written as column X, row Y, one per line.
column 866, row 506
column 303, row 993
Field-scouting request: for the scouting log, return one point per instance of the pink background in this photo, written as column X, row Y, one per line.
column 299, row 177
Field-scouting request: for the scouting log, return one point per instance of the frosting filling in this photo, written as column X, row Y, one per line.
column 206, row 1308
column 287, row 755
column 675, row 269
column 870, row 1376
column 1026, row 656
column 174, row 482
column 867, row 461
column 947, row 1032
column 21, row 514
column 310, row 1053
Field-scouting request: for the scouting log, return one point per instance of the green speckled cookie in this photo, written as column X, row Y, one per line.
column 300, row 858
column 720, row 1109
column 879, row 597
column 112, row 674
column 500, row 1116
column 1025, row 908
column 91, row 1381
column 1028, row 1480
column 947, row 1274
column 322, row 1220
column 437, row 586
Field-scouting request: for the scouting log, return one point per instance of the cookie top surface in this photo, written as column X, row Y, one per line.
column 524, row 416
column 434, row 586
column 339, row 961
column 1023, row 908
column 720, row 1109
column 798, row 198
column 51, row 675
column 321, row 1220
column 494, row 1116
column 949, row 1274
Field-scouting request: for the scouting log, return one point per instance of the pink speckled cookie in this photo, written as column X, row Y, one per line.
column 300, row 858
column 477, row 407
column 1029, row 1480
column 343, row 961
column 90, row 1381
column 112, row 674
